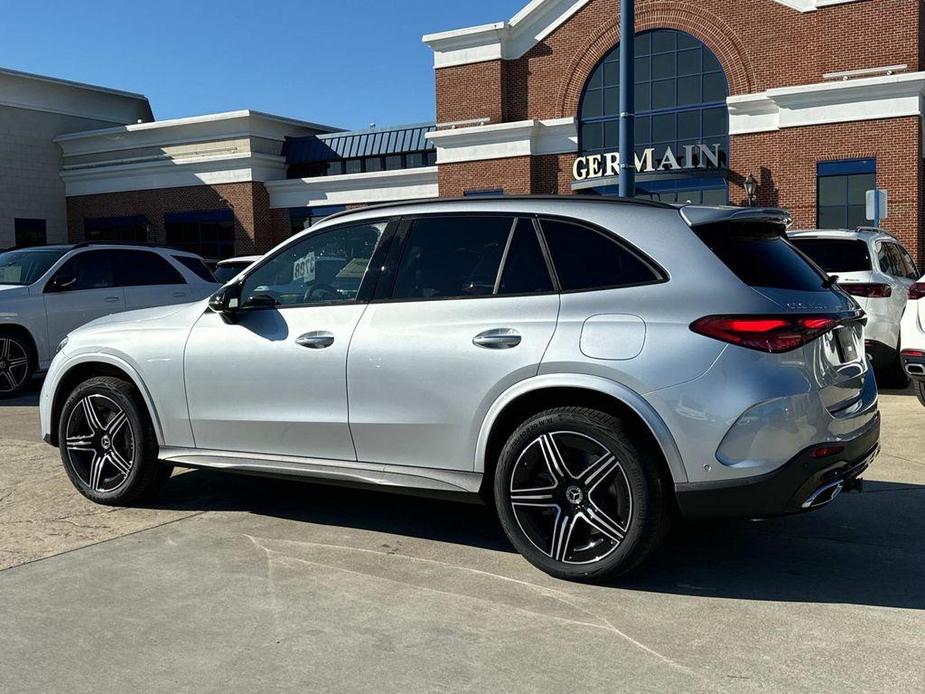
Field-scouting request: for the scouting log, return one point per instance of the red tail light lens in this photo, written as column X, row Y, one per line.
column 913, row 353
column 917, row 291
column 871, row 291
column 773, row 334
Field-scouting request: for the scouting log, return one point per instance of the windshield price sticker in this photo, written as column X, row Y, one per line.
column 304, row 268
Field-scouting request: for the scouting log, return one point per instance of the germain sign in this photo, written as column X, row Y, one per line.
column 697, row 156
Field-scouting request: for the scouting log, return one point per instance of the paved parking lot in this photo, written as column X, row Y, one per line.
column 242, row 584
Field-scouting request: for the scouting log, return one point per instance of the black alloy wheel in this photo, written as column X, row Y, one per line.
column 578, row 497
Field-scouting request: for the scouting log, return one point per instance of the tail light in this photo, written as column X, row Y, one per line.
column 917, row 291
column 914, row 353
column 871, row 291
column 773, row 334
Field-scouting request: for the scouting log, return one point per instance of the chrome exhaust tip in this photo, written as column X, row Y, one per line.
column 824, row 494
column 915, row 369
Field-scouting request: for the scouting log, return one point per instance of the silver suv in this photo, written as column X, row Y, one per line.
column 590, row 366
column 47, row 291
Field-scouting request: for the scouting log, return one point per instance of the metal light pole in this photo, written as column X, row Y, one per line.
column 627, row 98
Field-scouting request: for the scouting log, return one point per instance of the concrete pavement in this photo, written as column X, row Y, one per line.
column 244, row 584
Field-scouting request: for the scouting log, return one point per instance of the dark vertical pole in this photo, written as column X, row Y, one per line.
column 627, row 98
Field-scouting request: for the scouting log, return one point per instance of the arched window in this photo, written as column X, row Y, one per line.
column 681, row 92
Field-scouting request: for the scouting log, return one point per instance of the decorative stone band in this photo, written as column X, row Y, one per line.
column 502, row 140
column 887, row 96
column 355, row 189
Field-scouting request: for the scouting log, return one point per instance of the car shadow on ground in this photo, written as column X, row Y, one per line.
column 29, row 397
column 864, row 549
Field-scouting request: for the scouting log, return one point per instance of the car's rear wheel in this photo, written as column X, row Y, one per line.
column 16, row 364
column 578, row 496
column 108, row 445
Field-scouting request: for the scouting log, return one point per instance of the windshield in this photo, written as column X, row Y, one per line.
column 26, row 266
column 223, row 273
column 836, row 255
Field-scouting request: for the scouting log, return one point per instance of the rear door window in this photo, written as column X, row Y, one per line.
column 909, row 264
column 525, row 270
column 836, row 255
column 585, row 258
column 761, row 256
column 452, row 257
column 143, row 268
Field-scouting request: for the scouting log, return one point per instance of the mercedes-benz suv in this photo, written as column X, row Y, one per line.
column 48, row 291
column 591, row 367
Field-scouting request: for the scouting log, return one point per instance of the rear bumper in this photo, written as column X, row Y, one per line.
column 802, row 484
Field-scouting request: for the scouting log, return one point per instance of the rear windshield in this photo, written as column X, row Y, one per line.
column 760, row 256
column 223, row 273
column 836, row 255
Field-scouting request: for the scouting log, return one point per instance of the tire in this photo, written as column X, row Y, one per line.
column 17, row 364
column 579, row 497
column 893, row 375
column 920, row 391
column 110, row 450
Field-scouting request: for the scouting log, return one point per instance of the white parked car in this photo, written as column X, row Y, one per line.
column 913, row 338
column 47, row 291
column 230, row 268
column 877, row 271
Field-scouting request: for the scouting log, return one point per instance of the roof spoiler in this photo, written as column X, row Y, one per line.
column 697, row 216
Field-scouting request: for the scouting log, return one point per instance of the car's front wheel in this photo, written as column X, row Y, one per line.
column 16, row 364
column 108, row 445
column 578, row 496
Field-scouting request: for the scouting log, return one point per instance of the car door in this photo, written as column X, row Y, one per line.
column 466, row 310
column 902, row 278
column 148, row 279
column 272, row 380
column 81, row 290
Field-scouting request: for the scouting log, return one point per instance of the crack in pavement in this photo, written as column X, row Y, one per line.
column 603, row 623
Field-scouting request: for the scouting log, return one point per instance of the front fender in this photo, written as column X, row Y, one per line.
column 627, row 396
column 63, row 364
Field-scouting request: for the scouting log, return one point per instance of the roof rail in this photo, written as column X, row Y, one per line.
column 140, row 244
column 511, row 198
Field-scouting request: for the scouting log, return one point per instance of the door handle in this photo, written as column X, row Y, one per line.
column 319, row 339
column 502, row 338
column 179, row 294
column 111, row 299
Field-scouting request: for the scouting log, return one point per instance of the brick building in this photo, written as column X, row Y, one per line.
column 819, row 100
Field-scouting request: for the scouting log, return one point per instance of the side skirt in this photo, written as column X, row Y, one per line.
column 333, row 471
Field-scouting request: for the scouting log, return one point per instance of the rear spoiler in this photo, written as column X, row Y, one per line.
column 697, row 216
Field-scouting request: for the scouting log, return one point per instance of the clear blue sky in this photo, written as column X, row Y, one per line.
column 345, row 63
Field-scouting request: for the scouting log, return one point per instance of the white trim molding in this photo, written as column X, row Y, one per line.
column 168, row 172
column 811, row 5
column 887, row 96
column 502, row 140
column 502, row 40
column 355, row 189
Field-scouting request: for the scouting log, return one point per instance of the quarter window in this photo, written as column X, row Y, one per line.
column 143, row 268
column 321, row 268
column 588, row 259
column 452, row 257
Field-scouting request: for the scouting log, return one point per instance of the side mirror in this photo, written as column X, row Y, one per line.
column 226, row 300
column 62, row 283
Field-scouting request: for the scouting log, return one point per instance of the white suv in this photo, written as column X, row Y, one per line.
column 913, row 338
column 877, row 271
column 47, row 291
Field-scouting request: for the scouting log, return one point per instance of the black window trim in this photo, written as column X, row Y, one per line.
column 385, row 289
column 370, row 277
column 662, row 276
